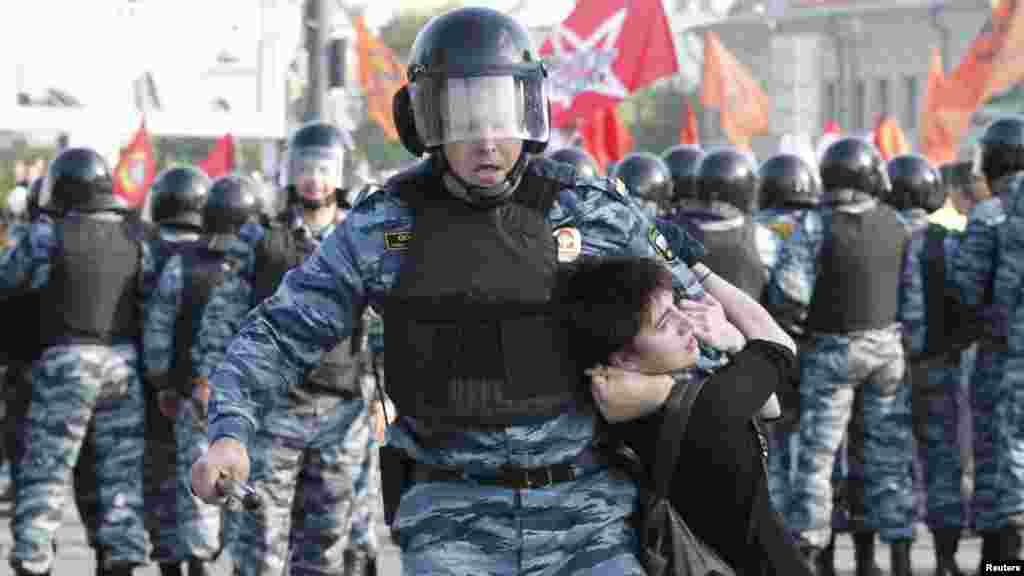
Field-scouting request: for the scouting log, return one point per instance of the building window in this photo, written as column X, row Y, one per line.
column 910, row 119
column 860, row 97
column 882, row 95
column 830, row 108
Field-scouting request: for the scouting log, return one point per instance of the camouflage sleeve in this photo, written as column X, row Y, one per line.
column 609, row 225
column 159, row 327
column 912, row 312
column 681, row 242
column 791, row 285
column 286, row 335
column 27, row 264
column 222, row 318
column 973, row 267
column 149, row 276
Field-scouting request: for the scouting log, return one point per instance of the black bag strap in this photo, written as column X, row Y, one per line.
column 673, row 428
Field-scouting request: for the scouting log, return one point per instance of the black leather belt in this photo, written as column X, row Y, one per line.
column 506, row 477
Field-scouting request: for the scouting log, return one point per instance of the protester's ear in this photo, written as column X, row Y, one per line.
column 623, row 359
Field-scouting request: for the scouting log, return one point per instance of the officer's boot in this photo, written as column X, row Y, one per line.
column 947, row 540
column 1009, row 544
column 864, row 554
column 170, row 569
column 356, row 562
column 827, row 558
column 989, row 548
column 899, row 558
column 197, row 567
column 812, row 556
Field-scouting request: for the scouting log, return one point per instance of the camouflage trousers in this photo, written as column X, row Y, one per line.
column 198, row 523
column 832, row 368
column 160, row 483
column 366, row 507
column 315, row 450
column 73, row 387
column 997, row 394
column 570, row 528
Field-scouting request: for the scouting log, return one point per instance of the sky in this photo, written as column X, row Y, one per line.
column 94, row 49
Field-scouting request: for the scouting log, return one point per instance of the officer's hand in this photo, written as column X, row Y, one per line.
column 168, row 402
column 201, row 390
column 379, row 424
column 623, row 395
column 710, row 324
column 226, row 457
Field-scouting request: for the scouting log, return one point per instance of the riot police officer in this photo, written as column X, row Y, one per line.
column 682, row 161
column 578, row 158
column 93, row 275
column 648, row 181
column 998, row 489
column 929, row 314
column 838, row 278
column 491, row 451
column 727, row 186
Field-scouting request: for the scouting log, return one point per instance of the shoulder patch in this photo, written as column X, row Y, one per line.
column 783, row 229
column 620, row 186
column 569, row 243
column 660, row 243
column 397, row 239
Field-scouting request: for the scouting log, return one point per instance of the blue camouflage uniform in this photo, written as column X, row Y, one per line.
column 573, row 527
column 188, row 528
column 942, row 375
column 832, row 366
column 75, row 389
column 987, row 274
column 305, row 450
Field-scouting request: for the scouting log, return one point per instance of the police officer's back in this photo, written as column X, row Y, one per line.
column 788, row 188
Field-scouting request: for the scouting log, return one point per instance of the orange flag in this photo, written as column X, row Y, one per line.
column 381, row 76
column 727, row 85
column 889, row 139
column 221, row 160
column 689, row 131
column 136, row 169
column 1008, row 57
column 940, row 129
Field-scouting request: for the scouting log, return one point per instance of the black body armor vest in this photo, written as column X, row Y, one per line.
column 92, row 294
column 340, row 368
column 732, row 254
column 472, row 337
column 859, row 271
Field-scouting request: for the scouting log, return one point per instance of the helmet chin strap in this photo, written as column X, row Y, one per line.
column 483, row 196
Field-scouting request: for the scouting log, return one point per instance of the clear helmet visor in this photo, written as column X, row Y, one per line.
column 315, row 171
column 480, row 108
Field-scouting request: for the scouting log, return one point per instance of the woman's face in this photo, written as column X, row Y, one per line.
column 666, row 341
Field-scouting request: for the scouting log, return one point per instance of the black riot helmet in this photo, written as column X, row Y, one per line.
column 787, row 180
column 646, row 177
column 728, row 175
column 915, row 184
column 177, row 196
column 682, row 161
column 233, row 200
column 1002, row 149
column 474, row 75
column 579, row 158
column 854, row 164
column 79, row 179
column 315, row 166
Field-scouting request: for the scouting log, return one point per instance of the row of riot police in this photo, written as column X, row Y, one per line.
column 114, row 384
column 884, row 305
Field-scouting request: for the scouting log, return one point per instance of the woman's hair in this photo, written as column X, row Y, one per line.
column 608, row 300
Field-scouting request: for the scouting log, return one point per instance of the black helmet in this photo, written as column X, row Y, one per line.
column 579, row 158
column 683, row 161
column 646, row 176
column 787, row 180
column 321, row 144
column 233, row 200
column 79, row 179
column 915, row 184
column 32, row 200
column 728, row 175
column 468, row 65
column 177, row 197
column 854, row 164
column 1002, row 148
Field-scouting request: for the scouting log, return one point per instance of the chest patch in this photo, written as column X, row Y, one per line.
column 397, row 240
column 569, row 243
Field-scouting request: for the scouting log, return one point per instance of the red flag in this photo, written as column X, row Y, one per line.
column 603, row 52
column 221, row 160
column 939, row 137
column 688, row 131
column 136, row 169
column 889, row 139
column 606, row 138
column 729, row 86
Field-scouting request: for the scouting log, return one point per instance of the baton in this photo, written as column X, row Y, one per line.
column 237, row 493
